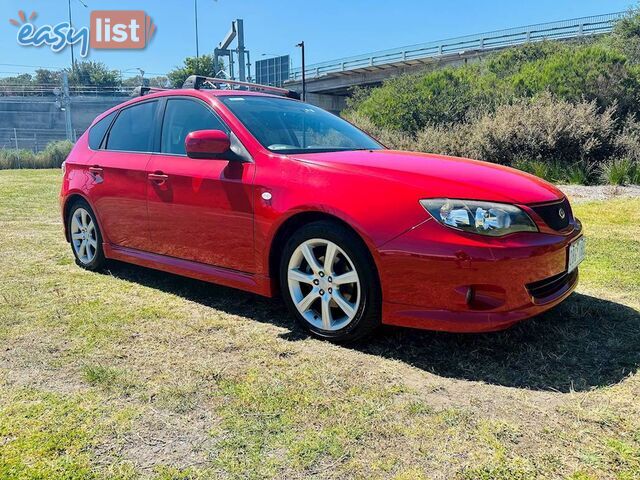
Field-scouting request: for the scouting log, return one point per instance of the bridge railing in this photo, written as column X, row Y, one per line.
column 565, row 29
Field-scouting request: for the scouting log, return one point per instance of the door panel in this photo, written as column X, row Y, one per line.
column 202, row 211
column 119, row 197
column 199, row 210
column 119, row 172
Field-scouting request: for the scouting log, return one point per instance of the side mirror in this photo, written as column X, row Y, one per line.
column 207, row 144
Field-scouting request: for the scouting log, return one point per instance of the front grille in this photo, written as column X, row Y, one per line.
column 551, row 214
column 548, row 287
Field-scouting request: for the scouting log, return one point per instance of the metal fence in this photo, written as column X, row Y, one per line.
column 34, row 90
column 33, row 139
column 566, row 29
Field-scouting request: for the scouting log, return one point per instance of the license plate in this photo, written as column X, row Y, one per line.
column 576, row 254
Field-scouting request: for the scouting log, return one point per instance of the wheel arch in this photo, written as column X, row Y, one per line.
column 69, row 201
column 299, row 220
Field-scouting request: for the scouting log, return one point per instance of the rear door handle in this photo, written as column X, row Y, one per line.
column 159, row 178
column 95, row 169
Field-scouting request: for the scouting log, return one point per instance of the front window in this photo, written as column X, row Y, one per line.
column 287, row 126
column 181, row 117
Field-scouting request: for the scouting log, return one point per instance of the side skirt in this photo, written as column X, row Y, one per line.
column 259, row 284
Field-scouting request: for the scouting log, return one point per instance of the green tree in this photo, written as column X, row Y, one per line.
column 96, row 74
column 159, row 81
column 202, row 65
column 47, row 77
column 22, row 79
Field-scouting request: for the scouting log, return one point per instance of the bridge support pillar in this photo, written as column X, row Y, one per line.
column 333, row 103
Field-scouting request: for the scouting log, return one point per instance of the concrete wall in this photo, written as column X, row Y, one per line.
column 37, row 120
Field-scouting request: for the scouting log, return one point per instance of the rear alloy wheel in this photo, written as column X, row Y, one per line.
column 328, row 282
column 86, row 241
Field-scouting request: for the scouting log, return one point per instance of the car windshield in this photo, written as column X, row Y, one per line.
column 287, row 126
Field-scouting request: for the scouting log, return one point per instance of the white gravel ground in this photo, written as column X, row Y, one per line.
column 584, row 193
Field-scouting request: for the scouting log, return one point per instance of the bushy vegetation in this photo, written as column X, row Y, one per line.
column 565, row 111
column 51, row 157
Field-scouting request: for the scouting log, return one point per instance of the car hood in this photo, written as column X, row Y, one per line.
column 441, row 176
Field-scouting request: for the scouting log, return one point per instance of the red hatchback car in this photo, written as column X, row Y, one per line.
column 271, row 195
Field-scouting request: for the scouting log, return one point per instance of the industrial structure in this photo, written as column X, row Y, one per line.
column 239, row 55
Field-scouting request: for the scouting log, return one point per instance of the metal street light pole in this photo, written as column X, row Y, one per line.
column 195, row 9
column 73, row 62
column 304, row 83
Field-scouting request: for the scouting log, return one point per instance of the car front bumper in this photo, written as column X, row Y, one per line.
column 437, row 278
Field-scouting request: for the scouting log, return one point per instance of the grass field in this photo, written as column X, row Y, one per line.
column 138, row 374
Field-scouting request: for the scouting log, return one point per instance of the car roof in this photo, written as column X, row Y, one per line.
column 192, row 92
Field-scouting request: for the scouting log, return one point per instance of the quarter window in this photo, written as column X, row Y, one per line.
column 96, row 134
column 133, row 129
column 183, row 116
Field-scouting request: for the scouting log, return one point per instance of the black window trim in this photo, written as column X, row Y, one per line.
column 154, row 130
column 158, row 146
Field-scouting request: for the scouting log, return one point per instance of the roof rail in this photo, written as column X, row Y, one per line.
column 198, row 81
column 141, row 91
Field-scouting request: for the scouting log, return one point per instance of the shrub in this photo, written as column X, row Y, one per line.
column 510, row 61
column 550, row 171
column 55, row 153
column 619, row 171
column 51, row 157
column 578, row 174
column 411, row 102
column 551, row 138
column 626, row 36
column 389, row 138
column 452, row 139
column 628, row 140
column 16, row 159
column 543, row 129
column 591, row 72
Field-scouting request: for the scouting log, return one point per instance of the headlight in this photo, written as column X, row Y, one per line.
column 485, row 218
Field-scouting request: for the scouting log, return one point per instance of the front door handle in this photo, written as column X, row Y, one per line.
column 95, row 169
column 158, row 178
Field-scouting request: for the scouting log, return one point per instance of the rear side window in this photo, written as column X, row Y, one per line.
column 182, row 117
column 133, row 129
column 96, row 134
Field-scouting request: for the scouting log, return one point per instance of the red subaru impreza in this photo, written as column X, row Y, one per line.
column 268, row 194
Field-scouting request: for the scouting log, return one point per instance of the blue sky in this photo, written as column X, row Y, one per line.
column 330, row 29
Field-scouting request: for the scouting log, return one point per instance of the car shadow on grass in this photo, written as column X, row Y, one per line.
column 583, row 343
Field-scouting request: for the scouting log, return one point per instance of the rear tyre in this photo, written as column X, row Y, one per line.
column 329, row 282
column 85, row 237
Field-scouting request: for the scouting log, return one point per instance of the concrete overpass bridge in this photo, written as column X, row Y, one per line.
column 328, row 83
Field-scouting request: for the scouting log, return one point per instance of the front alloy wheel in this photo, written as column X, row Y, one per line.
column 324, row 284
column 329, row 282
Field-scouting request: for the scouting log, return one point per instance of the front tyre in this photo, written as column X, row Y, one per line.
column 329, row 282
column 85, row 237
